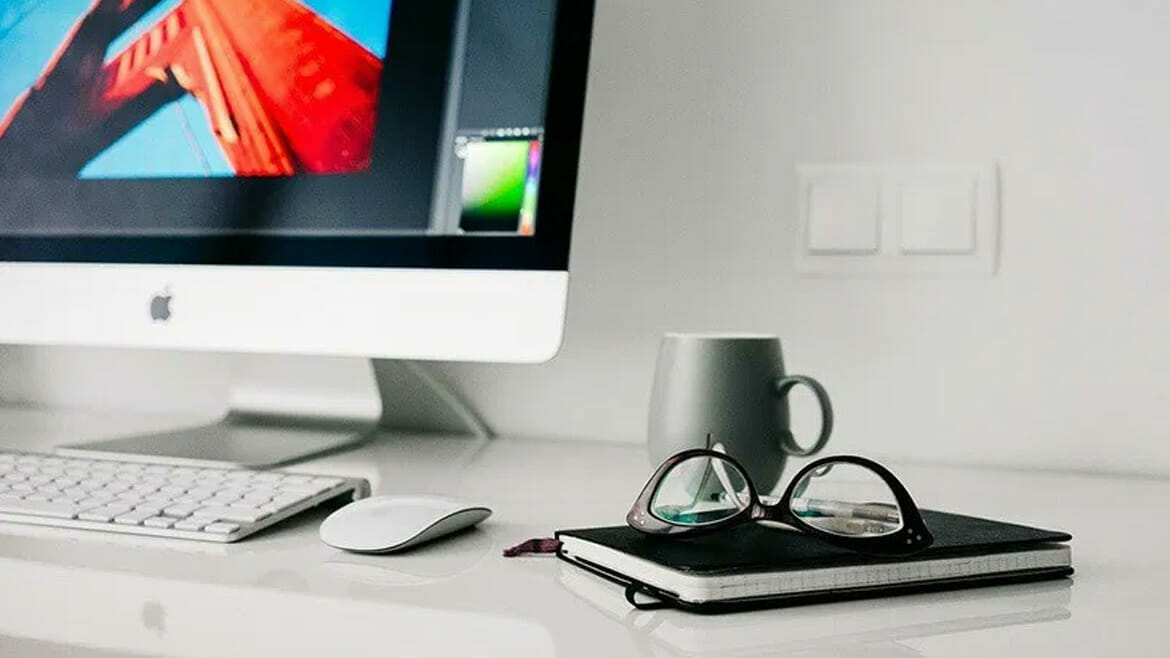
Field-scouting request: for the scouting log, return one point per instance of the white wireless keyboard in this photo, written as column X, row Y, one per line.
column 203, row 504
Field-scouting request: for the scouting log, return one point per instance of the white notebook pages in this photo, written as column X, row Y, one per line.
column 700, row 588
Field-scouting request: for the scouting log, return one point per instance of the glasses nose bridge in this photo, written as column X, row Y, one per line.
column 758, row 511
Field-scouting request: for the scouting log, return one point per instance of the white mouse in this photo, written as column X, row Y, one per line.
column 387, row 524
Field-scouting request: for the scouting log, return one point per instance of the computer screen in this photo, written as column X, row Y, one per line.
column 348, row 133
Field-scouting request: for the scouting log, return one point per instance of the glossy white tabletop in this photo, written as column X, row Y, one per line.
column 284, row 593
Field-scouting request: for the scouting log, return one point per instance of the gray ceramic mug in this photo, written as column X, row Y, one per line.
column 733, row 387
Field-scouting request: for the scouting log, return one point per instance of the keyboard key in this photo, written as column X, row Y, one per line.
column 288, row 500
column 90, row 503
column 305, row 490
column 39, row 508
column 103, row 514
column 221, row 528
column 159, row 522
column 236, row 513
column 134, row 517
column 182, row 511
column 195, row 524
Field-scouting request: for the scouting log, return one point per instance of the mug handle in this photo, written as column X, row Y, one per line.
column 783, row 387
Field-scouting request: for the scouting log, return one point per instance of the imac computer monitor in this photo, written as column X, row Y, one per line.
column 336, row 178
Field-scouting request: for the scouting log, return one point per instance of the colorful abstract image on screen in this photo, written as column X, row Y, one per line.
column 500, row 183
column 189, row 88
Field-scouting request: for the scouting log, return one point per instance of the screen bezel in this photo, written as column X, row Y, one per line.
column 547, row 250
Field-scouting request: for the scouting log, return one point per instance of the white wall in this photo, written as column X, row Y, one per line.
column 699, row 111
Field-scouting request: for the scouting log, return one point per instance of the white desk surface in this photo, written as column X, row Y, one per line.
column 284, row 593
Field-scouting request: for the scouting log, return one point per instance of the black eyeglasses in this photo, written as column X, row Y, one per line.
column 851, row 502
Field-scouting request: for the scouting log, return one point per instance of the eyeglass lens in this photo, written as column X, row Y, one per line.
column 848, row 500
column 700, row 491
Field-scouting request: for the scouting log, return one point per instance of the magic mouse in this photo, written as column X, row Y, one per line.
column 387, row 524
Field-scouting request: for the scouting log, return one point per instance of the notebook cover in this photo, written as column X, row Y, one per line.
column 755, row 548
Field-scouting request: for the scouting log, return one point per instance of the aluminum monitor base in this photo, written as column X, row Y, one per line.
column 281, row 410
column 238, row 441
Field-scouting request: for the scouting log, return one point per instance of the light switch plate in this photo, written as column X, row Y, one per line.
column 932, row 219
column 939, row 216
column 844, row 216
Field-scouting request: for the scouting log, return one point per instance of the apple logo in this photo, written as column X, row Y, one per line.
column 154, row 617
column 160, row 307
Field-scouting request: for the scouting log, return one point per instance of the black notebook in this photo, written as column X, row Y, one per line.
column 753, row 566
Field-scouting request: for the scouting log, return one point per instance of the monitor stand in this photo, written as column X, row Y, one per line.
column 282, row 409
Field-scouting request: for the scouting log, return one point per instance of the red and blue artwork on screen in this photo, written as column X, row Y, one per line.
column 128, row 89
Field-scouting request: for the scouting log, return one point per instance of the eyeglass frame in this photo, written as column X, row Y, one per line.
column 911, row 538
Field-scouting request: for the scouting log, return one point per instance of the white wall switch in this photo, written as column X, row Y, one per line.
column 843, row 216
column 939, row 216
column 900, row 219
